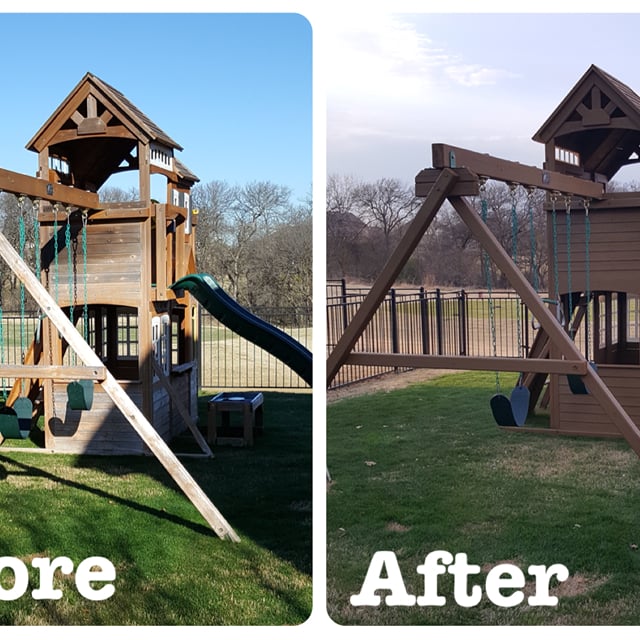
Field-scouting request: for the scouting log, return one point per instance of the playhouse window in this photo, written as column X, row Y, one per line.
column 614, row 318
column 633, row 318
column 127, row 339
column 602, row 324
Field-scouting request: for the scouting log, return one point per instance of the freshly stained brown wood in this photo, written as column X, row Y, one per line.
column 467, row 184
column 396, row 262
column 447, row 156
column 470, row 363
column 129, row 409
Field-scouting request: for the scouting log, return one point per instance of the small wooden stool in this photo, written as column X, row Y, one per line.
column 249, row 404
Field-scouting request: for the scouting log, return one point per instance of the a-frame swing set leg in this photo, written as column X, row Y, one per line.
column 117, row 394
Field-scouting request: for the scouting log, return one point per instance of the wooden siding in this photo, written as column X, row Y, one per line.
column 101, row 430
column 582, row 415
column 613, row 250
column 114, row 263
column 167, row 419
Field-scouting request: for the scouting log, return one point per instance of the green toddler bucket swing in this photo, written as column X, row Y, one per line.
column 80, row 395
column 15, row 421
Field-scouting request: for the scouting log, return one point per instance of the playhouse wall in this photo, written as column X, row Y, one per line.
column 114, row 264
column 614, row 258
column 101, row 430
column 582, row 415
column 166, row 418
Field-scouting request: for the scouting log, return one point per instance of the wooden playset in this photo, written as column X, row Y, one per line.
column 594, row 266
column 115, row 348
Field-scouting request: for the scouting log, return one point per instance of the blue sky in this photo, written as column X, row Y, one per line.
column 398, row 82
column 234, row 90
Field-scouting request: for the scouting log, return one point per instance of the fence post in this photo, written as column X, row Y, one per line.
column 394, row 322
column 424, row 321
column 439, row 328
column 345, row 316
column 462, row 321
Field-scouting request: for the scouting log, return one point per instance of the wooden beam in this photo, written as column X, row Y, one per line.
column 468, row 183
column 60, row 373
column 413, row 235
column 468, row 363
column 20, row 184
column 182, row 410
column 117, row 394
column 447, row 156
column 560, row 339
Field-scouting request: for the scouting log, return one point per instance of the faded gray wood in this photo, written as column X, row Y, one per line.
column 120, row 398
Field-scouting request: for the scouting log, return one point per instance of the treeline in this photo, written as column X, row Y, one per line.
column 365, row 221
column 252, row 238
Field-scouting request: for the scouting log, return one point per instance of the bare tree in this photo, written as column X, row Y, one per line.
column 257, row 207
column 345, row 229
column 386, row 204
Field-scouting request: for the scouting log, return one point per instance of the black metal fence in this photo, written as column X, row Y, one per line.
column 416, row 321
column 225, row 360
column 228, row 361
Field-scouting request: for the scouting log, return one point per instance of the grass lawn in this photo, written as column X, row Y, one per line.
column 425, row 468
column 171, row 568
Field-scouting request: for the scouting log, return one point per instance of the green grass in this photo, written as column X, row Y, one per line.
column 171, row 568
column 425, row 468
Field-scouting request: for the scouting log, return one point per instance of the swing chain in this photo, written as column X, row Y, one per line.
column 487, row 272
column 569, row 283
column 85, row 309
column 587, row 266
column 513, row 186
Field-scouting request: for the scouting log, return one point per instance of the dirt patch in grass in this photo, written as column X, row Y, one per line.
column 578, row 584
column 396, row 527
column 385, row 382
column 559, row 459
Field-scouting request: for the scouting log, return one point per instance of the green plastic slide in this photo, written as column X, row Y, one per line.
column 219, row 304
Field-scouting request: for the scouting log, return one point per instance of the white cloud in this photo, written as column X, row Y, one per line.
column 379, row 56
column 475, row 75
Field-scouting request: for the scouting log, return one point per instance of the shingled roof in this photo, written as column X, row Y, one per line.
column 96, row 129
column 599, row 120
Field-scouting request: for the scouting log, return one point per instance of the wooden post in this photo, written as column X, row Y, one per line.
column 387, row 277
column 120, row 398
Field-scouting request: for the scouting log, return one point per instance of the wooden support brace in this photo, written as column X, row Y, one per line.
column 468, row 363
column 54, row 372
column 117, row 394
column 182, row 410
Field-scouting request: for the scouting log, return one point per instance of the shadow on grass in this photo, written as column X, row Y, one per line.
column 264, row 492
column 36, row 472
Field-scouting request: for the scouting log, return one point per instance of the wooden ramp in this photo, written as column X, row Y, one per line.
column 117, row 394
